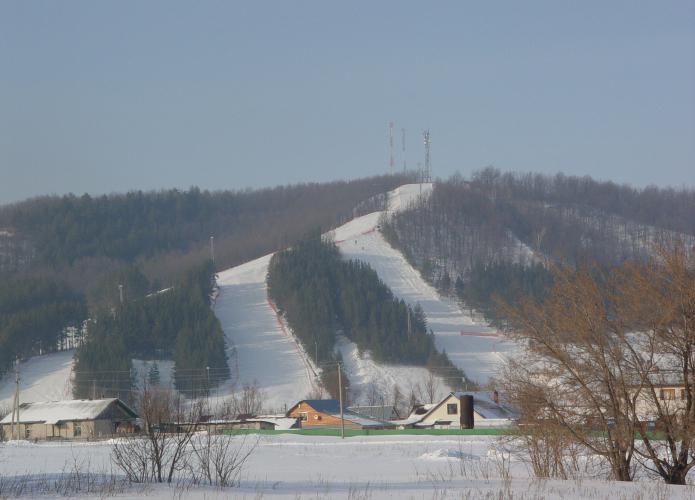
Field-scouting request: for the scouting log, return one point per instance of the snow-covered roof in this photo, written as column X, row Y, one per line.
column 53, row 412
column 281, row 423
column 483, row 405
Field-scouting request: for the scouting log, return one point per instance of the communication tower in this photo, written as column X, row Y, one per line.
column 392, row 163
column 427, row 172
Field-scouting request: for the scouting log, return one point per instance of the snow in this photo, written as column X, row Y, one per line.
column 290, row 466
column 367, row 377
column 263, row 350
column 53, row 412
column 259, row 349
column 42, row 378
column 479, row 351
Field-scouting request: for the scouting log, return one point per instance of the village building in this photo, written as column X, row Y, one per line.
column 268, row 423
column 72, row 419
column 447, row 413
column 325, row 414
column 377, row 412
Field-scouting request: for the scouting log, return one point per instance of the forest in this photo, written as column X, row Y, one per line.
column 33, row 316
column 63, row 257
column 495, row 232
column 164, row 231
column 177, row 324
column 321, row 295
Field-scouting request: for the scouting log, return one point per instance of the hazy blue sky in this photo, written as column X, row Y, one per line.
column 110, row 96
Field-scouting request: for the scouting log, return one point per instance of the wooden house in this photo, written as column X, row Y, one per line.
column 325, row 414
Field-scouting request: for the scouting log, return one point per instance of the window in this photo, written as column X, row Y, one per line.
column 77, row 430
column 665, row 394
column 303, row 416
column 452, row 409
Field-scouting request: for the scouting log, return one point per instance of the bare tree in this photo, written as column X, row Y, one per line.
column 658, row 301
column 572, row 370
column 247, row 401
column 432, row 387
column 601, row 349
column 169, row 424
column 220, row 459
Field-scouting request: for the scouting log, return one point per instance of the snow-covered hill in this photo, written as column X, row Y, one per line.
column 268, row 354
column 262, row 349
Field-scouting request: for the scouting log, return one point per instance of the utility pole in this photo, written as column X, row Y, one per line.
column 15, row 403
column 340, row 394
column 212, row 249
column 207, row 369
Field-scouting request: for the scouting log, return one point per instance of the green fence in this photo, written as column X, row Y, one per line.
column 379, row 432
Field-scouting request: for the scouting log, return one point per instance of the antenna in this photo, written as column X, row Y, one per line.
column 427, row 172
column 403, row 147
column 392, row 163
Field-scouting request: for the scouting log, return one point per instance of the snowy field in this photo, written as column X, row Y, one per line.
column 311, row 467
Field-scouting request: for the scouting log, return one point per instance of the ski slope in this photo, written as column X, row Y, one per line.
column 261, row 350
column 42, row 378
column 471, row 346
column 267, row 353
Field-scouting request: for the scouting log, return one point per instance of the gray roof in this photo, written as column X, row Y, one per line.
column 380, row 412
column 52, row 412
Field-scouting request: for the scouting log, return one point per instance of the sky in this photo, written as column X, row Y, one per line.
column 104, row 97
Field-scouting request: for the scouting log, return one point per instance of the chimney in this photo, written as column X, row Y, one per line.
column 466, row 411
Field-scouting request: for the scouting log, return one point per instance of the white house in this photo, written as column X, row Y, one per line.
column 446, row 414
